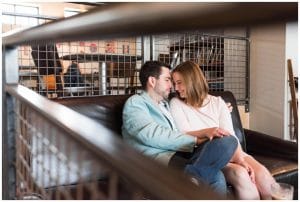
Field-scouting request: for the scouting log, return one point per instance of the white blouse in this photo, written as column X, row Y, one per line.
column 213, row 113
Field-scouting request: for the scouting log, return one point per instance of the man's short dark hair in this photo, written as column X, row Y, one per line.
column 151, row 68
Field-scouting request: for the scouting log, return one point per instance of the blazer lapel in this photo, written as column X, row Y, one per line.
column 155, row 108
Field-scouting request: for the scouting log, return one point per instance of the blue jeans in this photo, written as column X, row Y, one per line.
column 208, row 160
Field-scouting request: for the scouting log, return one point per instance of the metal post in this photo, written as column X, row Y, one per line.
column 247, row 99
column 9, row 75
column 146, row 48
column 102, row 77
column 151, row 47
column 142, row 49
column 9, row 150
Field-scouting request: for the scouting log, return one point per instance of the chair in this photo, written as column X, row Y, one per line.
column 73, row 83
column 279, row 156
column 49, row 67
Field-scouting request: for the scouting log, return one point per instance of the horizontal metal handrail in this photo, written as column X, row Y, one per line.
column 156, row 179
column 136, row 19
column 42, row 17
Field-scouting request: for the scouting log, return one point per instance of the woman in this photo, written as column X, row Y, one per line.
column 196, row 110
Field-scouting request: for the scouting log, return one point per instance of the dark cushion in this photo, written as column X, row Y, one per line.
column 107, row 110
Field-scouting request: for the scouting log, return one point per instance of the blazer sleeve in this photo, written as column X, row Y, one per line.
column 147, row 126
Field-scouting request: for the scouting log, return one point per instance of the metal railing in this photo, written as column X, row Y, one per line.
column 61, row 154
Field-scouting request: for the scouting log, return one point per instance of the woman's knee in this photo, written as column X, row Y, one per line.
column 261, row 172
column 239, row 178
column 240, row 174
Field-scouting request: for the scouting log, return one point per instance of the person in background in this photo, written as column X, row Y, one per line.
column 194, row 109
column 149, row 127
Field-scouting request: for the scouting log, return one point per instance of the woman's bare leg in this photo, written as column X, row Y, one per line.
column 238, row 177
column 263, row 178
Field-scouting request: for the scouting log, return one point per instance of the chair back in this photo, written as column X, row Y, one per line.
column 108, row 110
column 235, row 116
column 46, row 59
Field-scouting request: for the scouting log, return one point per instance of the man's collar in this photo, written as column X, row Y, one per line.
column 153, row 96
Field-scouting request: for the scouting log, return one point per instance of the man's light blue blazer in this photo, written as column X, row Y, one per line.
column 147, row 129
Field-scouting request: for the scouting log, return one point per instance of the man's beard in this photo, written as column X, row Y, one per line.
column 166, row 96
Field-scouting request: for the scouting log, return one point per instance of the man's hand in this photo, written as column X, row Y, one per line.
column 201, row 140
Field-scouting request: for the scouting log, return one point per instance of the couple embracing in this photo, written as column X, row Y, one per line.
column 192, row 132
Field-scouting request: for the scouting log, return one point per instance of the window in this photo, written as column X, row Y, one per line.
column 68, row 12
column 22, row 15
column 8, row 19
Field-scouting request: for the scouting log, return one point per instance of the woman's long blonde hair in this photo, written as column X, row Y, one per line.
column 195, row 82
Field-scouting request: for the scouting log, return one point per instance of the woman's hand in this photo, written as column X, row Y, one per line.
column 210, row 133
column 230, row 108
column 249, row 169
column 239, row 158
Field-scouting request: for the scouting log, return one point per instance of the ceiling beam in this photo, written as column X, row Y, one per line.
column 137, row 19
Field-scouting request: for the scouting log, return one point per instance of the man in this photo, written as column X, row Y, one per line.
column 149, row 127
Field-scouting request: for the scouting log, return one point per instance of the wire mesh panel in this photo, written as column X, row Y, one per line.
column 52, row 165
column 92, row 68
column 222, row 59
column 84, row 68
column 79, row 68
